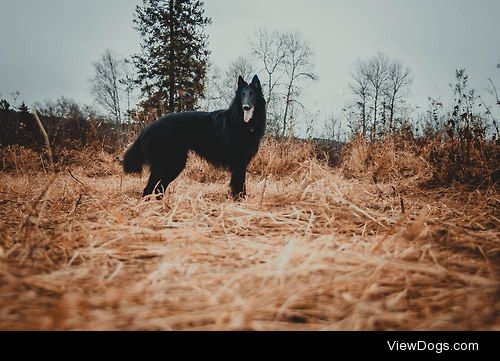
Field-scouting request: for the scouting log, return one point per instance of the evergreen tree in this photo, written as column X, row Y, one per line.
column 23, row 108
column 172, row 63
column 4, row 104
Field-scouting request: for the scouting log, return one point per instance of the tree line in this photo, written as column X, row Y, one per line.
column 172, row 72
column 380, row 87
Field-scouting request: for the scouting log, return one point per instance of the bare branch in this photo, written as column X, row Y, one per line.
column 298, row 66
column 105, row 85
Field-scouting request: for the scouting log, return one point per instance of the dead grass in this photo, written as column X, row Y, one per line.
column 389, row 160
column 309, row 249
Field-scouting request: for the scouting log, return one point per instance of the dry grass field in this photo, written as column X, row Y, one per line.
column 312, row 248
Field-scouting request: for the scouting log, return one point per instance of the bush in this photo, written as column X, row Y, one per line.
column 428, row 162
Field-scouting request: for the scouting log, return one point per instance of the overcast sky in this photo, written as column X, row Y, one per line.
column 47, row 46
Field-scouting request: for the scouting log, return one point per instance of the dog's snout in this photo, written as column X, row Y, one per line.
column 246, row 107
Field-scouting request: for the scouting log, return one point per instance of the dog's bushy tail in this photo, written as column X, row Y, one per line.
column 134, row 158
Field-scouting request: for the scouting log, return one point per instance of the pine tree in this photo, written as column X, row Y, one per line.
column 172, row 63
column 23, row 108
column 4, row 104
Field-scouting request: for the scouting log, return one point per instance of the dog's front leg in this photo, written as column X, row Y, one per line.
column 238, row 190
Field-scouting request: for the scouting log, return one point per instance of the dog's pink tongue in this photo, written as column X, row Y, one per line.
column 247, row 115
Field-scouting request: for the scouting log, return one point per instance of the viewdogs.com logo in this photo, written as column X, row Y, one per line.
column 437, row 347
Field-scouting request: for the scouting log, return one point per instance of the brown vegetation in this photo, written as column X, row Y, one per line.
column 362, row 246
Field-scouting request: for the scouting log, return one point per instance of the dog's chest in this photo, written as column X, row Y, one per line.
column 246, row 142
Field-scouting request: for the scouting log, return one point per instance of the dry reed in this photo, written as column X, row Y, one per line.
column 309, row 249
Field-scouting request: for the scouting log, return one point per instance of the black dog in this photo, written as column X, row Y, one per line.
column 226, row 138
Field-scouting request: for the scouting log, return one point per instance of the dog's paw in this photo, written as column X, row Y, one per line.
column 239, row 197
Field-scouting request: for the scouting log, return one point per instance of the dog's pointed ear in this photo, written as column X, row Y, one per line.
column 241, row 82
column 256, row 82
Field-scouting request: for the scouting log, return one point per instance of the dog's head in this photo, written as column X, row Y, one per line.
column 248, row 95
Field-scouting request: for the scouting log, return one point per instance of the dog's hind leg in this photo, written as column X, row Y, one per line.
column 238, row 189
column 164, row 172
column 172, row 168
column 154, row 182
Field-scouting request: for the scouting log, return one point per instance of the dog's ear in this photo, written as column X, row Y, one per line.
column 241, row 82
column 256, row 82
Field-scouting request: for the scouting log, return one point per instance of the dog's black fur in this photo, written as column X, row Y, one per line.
column 222, row 137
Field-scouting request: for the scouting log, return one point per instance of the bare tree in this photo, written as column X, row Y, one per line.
column 378, row 74
column 270, row 49
column 298, row 66
column 378, row 85
column 14, row 94
column 105, row 85
column 332, row 127
column 241, row 66
column 220, row 85
column 212, row 98
column 65, row 108
column 398, row 87
column 127, row 82
column 360, row 86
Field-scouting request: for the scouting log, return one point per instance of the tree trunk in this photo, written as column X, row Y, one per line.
column 363, row 115
column 270, row 89
column 391, row 118
column 116, row 99
column 288, row 95
column 287, row 103
column 171, row 91
column 374, row 128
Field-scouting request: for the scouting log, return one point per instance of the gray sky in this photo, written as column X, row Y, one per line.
column 47, row 47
